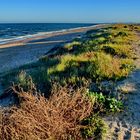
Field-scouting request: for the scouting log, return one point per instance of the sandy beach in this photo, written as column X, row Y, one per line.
column 17, row 53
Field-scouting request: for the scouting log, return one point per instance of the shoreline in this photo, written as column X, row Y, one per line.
column 44, row 35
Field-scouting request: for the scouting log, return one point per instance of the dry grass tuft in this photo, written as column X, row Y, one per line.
column 132, row 134
column 37, row 118
column 121, row 135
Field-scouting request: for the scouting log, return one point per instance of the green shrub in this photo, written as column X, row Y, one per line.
column 25, row 81
column 122, row 34
column 105, row 103
column 114, row 105
column 124, row 51
column 70, row 46
column 96, row 128
column 104, row 66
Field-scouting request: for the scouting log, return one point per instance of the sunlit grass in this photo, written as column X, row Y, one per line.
column 122, row 50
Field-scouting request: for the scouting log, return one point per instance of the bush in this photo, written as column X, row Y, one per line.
column 106, row 67
column 122, row 34
column 124, row 51
column 25, row 81
column 70, row 46
column 96, row 128
column 59, row 117
column 105, row 104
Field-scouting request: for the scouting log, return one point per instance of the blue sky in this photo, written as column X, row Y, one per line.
column 88, row 11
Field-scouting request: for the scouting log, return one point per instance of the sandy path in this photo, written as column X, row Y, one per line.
column 126, row 126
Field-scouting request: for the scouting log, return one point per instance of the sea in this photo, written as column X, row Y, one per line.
column 10, row 32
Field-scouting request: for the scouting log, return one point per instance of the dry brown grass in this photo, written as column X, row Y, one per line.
column 133, row 133
column 37, row 118
column 121, row 135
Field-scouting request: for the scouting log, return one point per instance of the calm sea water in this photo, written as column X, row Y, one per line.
column 11, row 32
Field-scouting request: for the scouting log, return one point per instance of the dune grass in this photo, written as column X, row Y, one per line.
column 103, row 55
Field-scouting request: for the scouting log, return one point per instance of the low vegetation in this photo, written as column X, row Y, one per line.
column 38, row 118
column 71, row 110
column 97, row 57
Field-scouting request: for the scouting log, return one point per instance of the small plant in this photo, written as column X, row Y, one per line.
column 96, row 128
column 106, row 104
column 113, row 105
column 122, row 34
column 25, row 81
column 70, row 46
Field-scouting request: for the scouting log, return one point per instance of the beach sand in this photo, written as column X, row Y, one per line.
column 18, row 53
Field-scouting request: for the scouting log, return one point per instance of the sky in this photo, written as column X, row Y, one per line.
column 69, row 11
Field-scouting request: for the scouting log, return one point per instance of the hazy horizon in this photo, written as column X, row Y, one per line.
column 69, row 22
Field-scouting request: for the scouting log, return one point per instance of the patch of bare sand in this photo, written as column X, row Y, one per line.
column 126, row 126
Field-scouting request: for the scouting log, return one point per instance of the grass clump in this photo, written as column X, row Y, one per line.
column 123, row 51
column 25, row 81
column 72, row 45
column 105, row 66
column 96, row 128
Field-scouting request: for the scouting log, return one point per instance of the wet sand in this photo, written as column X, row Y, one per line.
column 18, row 53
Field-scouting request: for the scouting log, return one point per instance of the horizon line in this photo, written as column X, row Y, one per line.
column 69, row 22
